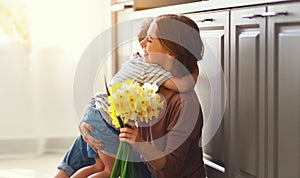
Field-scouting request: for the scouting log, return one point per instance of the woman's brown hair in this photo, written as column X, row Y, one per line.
column 180, row 35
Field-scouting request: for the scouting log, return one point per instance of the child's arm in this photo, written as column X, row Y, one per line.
column 182, row 84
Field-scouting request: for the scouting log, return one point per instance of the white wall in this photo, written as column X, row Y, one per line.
column 36, row 104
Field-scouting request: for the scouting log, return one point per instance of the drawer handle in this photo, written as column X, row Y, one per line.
column 206, row 20
column 271, row 14
column 250, row 16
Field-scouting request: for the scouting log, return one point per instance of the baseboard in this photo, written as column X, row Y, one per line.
column 58, row 144
column 16, row 148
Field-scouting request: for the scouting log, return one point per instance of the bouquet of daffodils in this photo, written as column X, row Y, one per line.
column 131, row 101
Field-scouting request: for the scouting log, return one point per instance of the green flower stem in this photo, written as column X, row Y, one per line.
column 123, row 168
column 121, row 122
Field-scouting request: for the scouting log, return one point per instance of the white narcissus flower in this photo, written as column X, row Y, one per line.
column 131, row 101
column 150, row 88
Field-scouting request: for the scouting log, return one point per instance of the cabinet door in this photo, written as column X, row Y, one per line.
column 247, row 93
column 284, row 90
column 211, row 88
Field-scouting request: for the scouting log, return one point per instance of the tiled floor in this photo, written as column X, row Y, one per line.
column 42, row 166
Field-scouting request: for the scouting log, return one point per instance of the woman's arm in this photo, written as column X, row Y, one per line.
column 85, row 129
column 182, row 84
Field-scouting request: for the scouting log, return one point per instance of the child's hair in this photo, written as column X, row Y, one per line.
column 144, row 28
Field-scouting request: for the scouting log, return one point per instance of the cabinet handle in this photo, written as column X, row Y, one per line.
column 250, row 16
column 271, row 14
column 206, row 20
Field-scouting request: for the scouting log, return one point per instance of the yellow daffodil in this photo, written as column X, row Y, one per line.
column 131, row 101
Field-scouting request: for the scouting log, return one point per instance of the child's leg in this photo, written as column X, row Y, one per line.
column 89, row 170
column 108, row 161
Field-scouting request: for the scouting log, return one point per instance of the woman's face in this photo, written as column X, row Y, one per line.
column 153, row 49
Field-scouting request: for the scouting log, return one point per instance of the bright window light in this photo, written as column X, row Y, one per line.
column 14, row 25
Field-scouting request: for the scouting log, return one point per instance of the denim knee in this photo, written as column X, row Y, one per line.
column 76, row 157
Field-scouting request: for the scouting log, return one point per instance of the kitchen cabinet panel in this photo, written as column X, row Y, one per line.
column 284, row 90
column 248, row 61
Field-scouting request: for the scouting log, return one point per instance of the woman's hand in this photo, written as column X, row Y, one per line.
column 85, row 129
column 130, row 134
column 147, row 152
